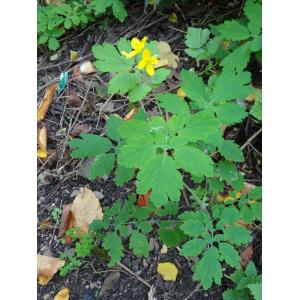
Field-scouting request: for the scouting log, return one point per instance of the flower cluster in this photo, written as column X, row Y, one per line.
column 148, row 61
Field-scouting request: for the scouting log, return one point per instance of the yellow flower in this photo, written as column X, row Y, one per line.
column 137, row 47
column 148, row 62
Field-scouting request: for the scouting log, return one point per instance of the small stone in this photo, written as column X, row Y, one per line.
column 92, row 285
column 145, row 264
column 99, row 195
column 46, row 297
column 74, row 193
column 87, row 286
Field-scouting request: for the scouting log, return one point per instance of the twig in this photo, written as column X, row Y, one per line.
column 193, row 292
column 135, row 275
column 251, row 139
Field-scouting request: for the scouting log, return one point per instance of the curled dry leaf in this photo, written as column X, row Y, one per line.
column 143, row 199
column 166, row 56
column 66, row 222
column 131, row 114
column 63, row 294
column 42, row 141
column 46, row 224
column 168, row 271
column 78, row 129
column 73, row 55
column 164, row 249
column 77, row 74
column 74, row 100
column 87, row 68
column 46, row 102
column 246, row 255
column 47, row 266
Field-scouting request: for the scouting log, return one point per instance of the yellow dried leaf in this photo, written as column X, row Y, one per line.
column 131, row 114
column 46, row 102
column 225, row 198
column 168, row 271
column 87, row 68
column 63, row 294
column 85, row 209
column 166, row 56
column 42, row 142
column 181, row 93
column 173, row 18
column 47, row 266
column 164, row 249
column 73, row 55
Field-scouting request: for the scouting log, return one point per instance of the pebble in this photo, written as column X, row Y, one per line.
column 93, row 285
column 74, row 193
column 87, row 287
column 99, row 195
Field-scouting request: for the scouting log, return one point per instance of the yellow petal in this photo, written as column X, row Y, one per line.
column 181, row 93
column 143, row 42
column 173, row 18
column 168, row 271
column 135, row 43
column 146, row 55
column 63, row 294
column 141, row 64
column 154, row 60
column 150, row 69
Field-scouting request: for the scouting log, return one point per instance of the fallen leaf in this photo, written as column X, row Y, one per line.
column 226, row 197
column 74, row 100
column 87, row 68
column 46, row 224
column 47, row 266
column 247, row 188
column 131, row 114
column 78, row 129
column 173, row 18
column 181, row 93
column 66, row 222
column 54, row 2
column 166, row 56
column 76, row 73
column 63, row 294
column 168, row 271
column 73, row 55
column 54, row 57
column 246, row 255
column 109, row 281
column 42, row 141
column 164, row 249
column 85, row 209
column 143, row 199
column 46, row 102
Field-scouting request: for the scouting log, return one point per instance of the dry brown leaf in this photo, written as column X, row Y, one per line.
column 85, row 209
column 66, row 222
column 166, row 56
column 78, row 129
column 73, row 55
column 47, row 266
column 87, row 68
column 246, row 255
column 54, row 2
column 63, row 294
column 46, row 224
column 143, row 199
column 77, row 74
column 42, row 141
column 46, row 102
column 131, row 114
column 74, row 100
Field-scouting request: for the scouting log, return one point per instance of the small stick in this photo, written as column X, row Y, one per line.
column 135, row 275
column 251, row 138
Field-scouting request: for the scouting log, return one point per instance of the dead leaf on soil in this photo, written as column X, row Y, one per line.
column 246, row 255
column 46, row 224
column 166, row 56
column 66, row 222
column 109, row 281
column 78, row 129
column 131, row 114
column 63, row 294
column 143, row 199
column 74, row 100
column 73, row 55
column 173, row 18
column 47, row 267
column 77, row 74
column 42, row 141
column 46, row 102
column 87, row 68
column 168, row 271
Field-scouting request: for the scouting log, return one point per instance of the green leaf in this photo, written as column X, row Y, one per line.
column 229, row 215
column 230, row 113
column 231, row 151
column 111, row 127
column 196, row 37
column 237, row 235
column 256, row 109
column 144, row 226
column 119, row 10
column 134, row 128
column 257, row 210
column 209, row 269
column 53, row 43
column 256, row 44
column 230, row 85
column 67, row 23
column 160, row 75
column 173, row 104
column 256, row 290
column 246, row 214
column 43, row 39
column 170, row 233
column 112, row 243
column 194, row 161
column 255, row 193
column 160, row 174
column 124, row 45
column 227, row 171
column 123, row 175
column 110, row 60
column 233, row 30
column 139, row 244
column 139, row 92
column 238, row 59
column 230, row 255
column 253, row 12
column 89, row 145
column 193, row 228
column 122, row 82
column 235, row 294
column 193, row 86
column 101, row 6
column 215, row 185
column 102, row 165
column 192, row 247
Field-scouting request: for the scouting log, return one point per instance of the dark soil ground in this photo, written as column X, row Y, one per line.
column 59, row 177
